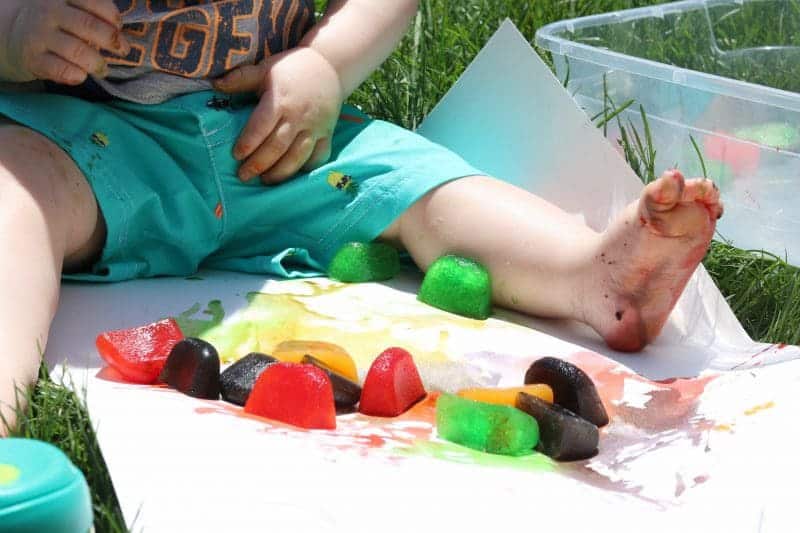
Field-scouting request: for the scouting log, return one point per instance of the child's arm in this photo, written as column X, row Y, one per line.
column 302, row 89
column 356, row 36
column 57, row 40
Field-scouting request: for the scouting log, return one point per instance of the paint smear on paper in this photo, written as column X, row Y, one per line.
column 646, row 415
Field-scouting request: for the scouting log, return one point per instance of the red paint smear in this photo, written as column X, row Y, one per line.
column 671, row 398
column 760, row 352
column 424, row 411
column 669, row 415
column 374, row 441
column 222, row 408
column 680, row 486
column 354, row 435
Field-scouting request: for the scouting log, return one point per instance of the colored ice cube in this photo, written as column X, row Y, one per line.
column 237, row 381
column 332, row 355
column 139, row 353
column 300, row 395
column 507, row 396
column 780, row 135
column 563, row 435
column 572, row 388
column 193, row 368
column 492, row 428
column 392, row 385
column 346, row 393
column 741, row 156
column 357, row 262
column 458, row 285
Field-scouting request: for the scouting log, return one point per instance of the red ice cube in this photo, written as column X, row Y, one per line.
column 139, row 353
column 297, row 394
column 392, row 385
column 742, row 156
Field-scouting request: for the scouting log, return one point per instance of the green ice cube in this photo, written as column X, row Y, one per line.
column 458, row 285
column 357, row 262
column 774, row 134
column 498, row 429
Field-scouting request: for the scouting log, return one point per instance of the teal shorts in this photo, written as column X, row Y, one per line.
column 166, row 183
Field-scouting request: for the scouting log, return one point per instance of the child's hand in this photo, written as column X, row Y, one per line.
column 291, row 127
column 60, row 40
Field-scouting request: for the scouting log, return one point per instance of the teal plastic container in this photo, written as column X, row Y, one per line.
column 726, row 73
column 41, row 491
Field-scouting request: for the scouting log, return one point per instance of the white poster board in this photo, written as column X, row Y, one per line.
column 713, row 452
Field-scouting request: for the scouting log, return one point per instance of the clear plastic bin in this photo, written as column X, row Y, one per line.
column 725, row 72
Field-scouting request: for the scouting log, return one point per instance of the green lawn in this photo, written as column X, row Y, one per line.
column 763, row 291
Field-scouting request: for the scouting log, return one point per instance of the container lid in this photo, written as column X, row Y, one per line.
column 554, row 37
column 40, row 489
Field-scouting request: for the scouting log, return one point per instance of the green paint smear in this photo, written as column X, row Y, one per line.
column 192, row 326
column 536, row 462
column 234, row 340
column 243, row 335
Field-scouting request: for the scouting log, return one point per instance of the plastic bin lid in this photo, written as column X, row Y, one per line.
column 41, row 490
column 550, row 38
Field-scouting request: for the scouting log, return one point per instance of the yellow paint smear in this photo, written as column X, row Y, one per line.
column 364, row 331
column 757, row 408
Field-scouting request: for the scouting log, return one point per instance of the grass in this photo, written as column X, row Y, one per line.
column 55, row 413
column 763, row 290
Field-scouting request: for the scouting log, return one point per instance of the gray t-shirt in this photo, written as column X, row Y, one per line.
column 177, row 46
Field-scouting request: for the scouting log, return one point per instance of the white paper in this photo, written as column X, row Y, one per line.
column 711, row 453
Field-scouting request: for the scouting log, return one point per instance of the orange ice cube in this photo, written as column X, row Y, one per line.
column 334, row 356
column 507, row 396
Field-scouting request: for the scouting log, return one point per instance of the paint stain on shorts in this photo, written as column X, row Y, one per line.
column 342, row 182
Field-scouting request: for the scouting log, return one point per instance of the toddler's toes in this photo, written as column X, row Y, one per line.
column 663, row 193
column 700, row 190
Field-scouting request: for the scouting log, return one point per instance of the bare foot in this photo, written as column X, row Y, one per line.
column 647, row 256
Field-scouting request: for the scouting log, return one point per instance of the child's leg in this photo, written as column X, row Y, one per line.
column 623, row 282
column 49, row 219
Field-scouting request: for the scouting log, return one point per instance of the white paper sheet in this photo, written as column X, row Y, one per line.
column 509, row 116
column 710, row 453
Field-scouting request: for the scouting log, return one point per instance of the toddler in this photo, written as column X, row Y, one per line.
column 158, row 136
